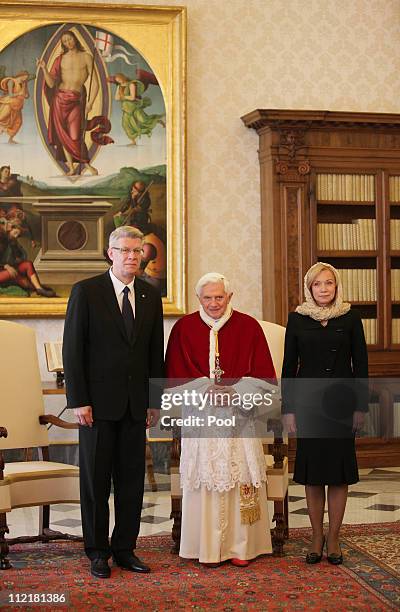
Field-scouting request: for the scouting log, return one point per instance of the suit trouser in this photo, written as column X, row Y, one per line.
column 111, row 449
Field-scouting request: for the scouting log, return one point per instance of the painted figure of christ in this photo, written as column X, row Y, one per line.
column 69, row 102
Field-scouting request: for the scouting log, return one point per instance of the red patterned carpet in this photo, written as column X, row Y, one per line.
column 369, row 579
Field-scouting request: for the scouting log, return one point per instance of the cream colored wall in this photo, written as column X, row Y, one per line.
column 247, row 54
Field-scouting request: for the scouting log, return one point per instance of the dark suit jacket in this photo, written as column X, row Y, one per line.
column 102, row 367
column 337, row 351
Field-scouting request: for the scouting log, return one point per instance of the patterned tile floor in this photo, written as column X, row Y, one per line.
column 375, row 499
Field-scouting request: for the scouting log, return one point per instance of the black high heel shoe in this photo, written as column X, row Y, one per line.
column 314, row 557
column 334, row 558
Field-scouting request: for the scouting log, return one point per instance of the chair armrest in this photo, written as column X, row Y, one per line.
column 176, row 446
column 45, row 419
column 276, row 426
column 3, row 434
column 278, row 448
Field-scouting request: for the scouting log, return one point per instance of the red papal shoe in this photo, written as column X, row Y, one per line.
column 211, row 564
column 239, row 562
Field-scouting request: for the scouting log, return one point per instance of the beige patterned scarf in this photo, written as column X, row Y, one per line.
column 337, row 308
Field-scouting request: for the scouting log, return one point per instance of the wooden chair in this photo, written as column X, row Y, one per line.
column 276, row 449
column 23, row 425
column 275, row 455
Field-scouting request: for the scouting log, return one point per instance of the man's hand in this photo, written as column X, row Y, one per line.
column 153, row 414
column 289, row 423
column 358, row 420
column 12, row 271
column 84, row 415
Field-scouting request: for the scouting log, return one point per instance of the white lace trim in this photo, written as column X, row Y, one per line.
column 221, row 463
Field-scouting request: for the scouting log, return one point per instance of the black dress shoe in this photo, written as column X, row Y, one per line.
column 334, row 558
column 131, row 562
column 99, row 567
column 314, row 557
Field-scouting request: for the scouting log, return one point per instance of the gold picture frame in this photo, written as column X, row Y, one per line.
column 149, row 36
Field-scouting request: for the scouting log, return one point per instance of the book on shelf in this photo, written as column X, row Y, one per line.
column 395, row 282
column 372, row 234
column 395, row 234
column 370, row 330
column 347, row 241
column 54, row 360
column 365, row 285
column 330, row 187
column 357, row 188
column 346, row 187
column 327, row 237
column 394, row 188
column 358, row 235
column 395, row 331
column 372, row 423
column 359, row 285
column 396, row 419
column 348, row 194
column 335, row 236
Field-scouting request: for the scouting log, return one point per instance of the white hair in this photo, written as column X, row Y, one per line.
column 124, row 231
column 212, row 277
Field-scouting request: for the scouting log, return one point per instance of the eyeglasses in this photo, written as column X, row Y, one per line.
column 125, row 251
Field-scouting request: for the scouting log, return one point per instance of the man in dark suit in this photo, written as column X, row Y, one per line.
column 113, row 345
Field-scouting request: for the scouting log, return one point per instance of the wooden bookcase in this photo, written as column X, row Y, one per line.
column 330, row 191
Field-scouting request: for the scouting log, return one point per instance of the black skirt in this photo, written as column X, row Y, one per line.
column 327, row 461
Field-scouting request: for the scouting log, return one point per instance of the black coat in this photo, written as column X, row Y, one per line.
column 337, row 350
column 313, row 351
column 102, row 367
column 324, row 380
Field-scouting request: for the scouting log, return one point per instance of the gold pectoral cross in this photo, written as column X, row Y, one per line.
column 217, row 370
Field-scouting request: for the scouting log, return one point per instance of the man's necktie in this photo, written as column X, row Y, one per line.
column 127, row 313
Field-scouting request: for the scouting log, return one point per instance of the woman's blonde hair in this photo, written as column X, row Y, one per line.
column 310, row 307
column 317, row 269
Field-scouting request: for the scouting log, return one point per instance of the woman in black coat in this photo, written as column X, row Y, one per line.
column 325, row 396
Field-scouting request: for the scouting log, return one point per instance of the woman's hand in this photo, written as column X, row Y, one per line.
column 289, row 423
column 358, row 420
